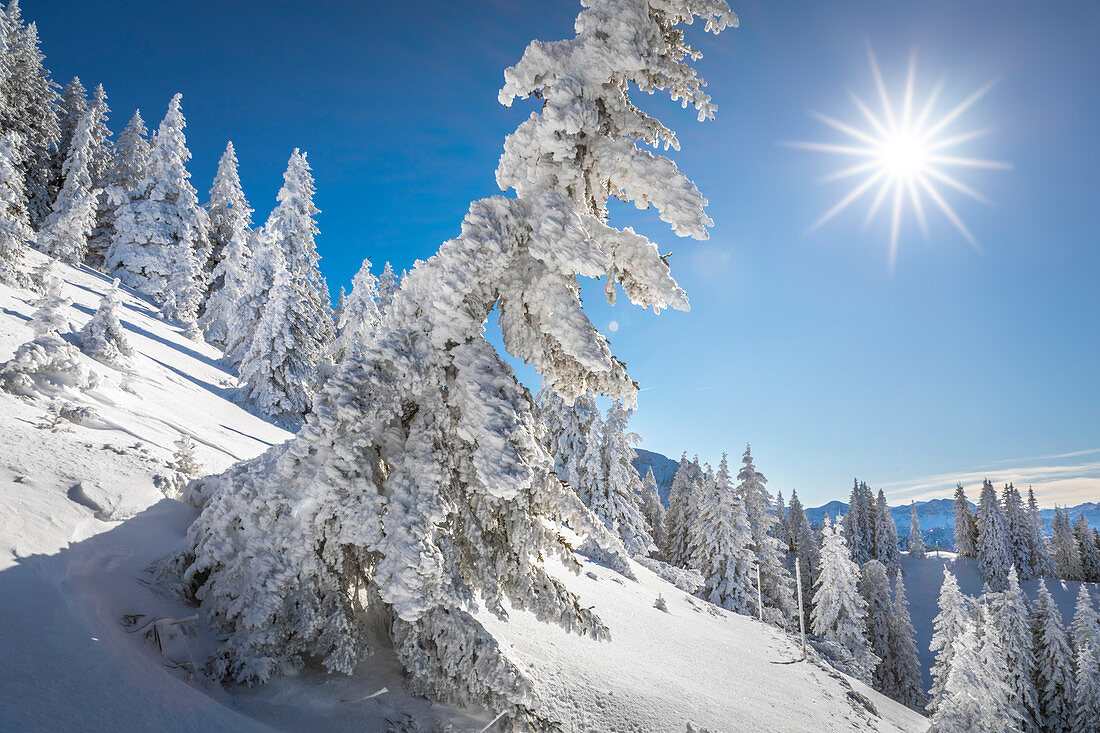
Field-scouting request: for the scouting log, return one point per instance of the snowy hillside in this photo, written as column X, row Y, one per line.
column 81, row 522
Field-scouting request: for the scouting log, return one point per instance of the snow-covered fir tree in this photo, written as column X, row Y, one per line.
column 431, row 430
column 720, row 546
column 839, row 613
column 71, row 109
column 966, row 705
column 1042, row 564
column 1000, row 713
column 1065, row 552
column 679, row 517
column 360, row 317
column 615, row 499
column 278, row 368
column 875, row 589
column 902, row 661
column 15, row 229
column 916, row 539
column 1053, row 670
column 102, row 156
column 125, row 171
column 781, row 531
column 230, row 253
column 263, row 259
column 1017, row 531
column 65, row 232
column 1086, row 622
column 1087, row 549
column 103, row 337
column 30, row 109
column 803, row 549
column 1086, row 714
column 859, row 528
column 652, row 508
column 1086, row 680
column 101, row 164
column 1011, row 624
column 886, row 535
column 947, row 628
column 992, row 548
column 47, row 361
column 966, row 526
column 776, row 583
column 160, row 227
column 228, row 213
column 387, row 287
column 570, row 429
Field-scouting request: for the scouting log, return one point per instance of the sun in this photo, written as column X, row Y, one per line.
column 903, row 157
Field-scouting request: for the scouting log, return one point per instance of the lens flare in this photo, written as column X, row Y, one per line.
column 902, row 156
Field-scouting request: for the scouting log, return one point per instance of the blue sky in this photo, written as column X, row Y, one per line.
column 953, row 365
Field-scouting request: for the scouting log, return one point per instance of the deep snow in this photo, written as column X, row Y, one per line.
column 81, row 522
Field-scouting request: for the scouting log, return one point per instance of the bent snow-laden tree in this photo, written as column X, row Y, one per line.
column 417, row 489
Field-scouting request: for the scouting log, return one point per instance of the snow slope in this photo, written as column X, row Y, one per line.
column 82, row 524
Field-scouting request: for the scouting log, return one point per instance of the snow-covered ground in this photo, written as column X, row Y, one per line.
column 81, row 522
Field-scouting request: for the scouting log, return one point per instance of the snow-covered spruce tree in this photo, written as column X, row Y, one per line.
column 387, row 286
column 263, row 259
column 859, row 523
column 839, row 614
column 652, row 508
column 160, row 226
column 916, row 539
column 360, row 318
column 15, row 230
column 417, row 488
column 1010, row 623
column 678, row 518
column 569, row 431
column 1017, row 531
column 947, row 627
column 803, row 549
column 615, row 499
column 30, row 110
column 966, row 526
column 875, row 589
column 902, row 660
column 124, row 172
column 1086, row 623
column 1065, row 551
column 1086, row 645
column 101, row 165
column 967, row 704
column 781, row 531
column 776, row 583
column 992, row 548
column 47, row 360
column 1041, row 561
column 64, row 234
column 1053, row 670
column 103, row 337
column 1001, row 713
column 293, row 332
column 720, row 546
column 886, row 535
column 1086, row 685
column 230, row 237
column 1087, row 549
column 71, row 109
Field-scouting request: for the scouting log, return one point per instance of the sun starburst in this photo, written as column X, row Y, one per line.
column 903, row 156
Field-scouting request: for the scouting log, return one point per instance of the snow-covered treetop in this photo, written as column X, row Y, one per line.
column 133, row 153
column 226, row 193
